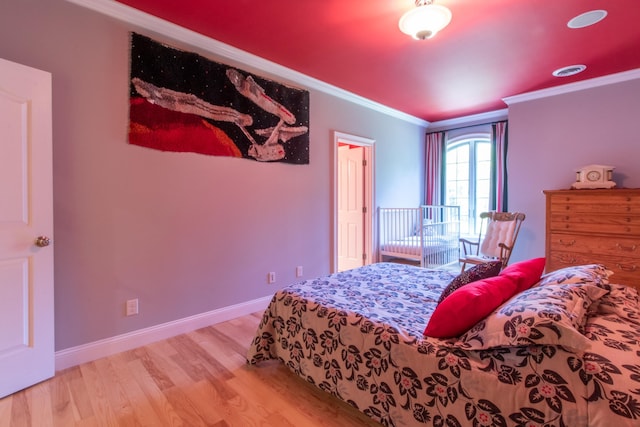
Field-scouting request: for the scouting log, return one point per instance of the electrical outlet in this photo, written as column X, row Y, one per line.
column 299, row 271
column 271, row 277
column 132, row 307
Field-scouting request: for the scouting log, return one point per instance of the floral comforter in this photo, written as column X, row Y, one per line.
column 358, row 335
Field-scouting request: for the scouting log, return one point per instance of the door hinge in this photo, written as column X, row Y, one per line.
column 364, row 163
column 364, row 209
column 364, row 257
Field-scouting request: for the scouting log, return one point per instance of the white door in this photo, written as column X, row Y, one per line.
column 350, row 207
column 26, row 212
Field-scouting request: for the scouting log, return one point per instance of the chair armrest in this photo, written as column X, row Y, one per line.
column 467, row 246
column 505, row 253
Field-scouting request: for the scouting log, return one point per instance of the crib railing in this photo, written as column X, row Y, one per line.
column 427, row 234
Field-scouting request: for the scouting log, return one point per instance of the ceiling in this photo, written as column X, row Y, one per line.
column 492, row 49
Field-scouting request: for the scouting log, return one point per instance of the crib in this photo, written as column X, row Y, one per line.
column 428, row 234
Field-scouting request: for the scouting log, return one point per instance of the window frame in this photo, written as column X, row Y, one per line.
column 459, row 140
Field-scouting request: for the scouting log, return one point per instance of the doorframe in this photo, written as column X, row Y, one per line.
column 368, row 193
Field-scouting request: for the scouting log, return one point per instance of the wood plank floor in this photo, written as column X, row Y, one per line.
column 196, row 379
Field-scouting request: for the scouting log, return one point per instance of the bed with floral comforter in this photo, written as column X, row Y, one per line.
column 565, row 352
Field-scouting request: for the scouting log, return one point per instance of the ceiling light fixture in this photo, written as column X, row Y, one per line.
column 425, row 20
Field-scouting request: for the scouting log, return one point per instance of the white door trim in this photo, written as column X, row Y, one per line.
column 369, row 222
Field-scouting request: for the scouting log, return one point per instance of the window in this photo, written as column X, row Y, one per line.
column 468, row 179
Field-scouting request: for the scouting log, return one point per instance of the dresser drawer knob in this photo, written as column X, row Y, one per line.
column 626, row 267
column 631, row 248
column 567, row 244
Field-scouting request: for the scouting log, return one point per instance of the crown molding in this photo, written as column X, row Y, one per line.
column 152, row 23
column 475, row 119
column 575, row 87
column 149, row 22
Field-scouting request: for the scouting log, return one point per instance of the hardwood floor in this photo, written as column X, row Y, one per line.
column 196, row 379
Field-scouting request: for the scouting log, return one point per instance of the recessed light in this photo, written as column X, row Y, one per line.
column 569, row 70
column 587, row 18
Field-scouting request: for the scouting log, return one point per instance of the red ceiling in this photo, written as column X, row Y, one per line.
column 492, row 49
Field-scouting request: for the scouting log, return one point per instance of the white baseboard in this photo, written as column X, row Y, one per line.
column 87, row 352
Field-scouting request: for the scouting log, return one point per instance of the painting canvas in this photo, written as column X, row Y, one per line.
column 183, row 102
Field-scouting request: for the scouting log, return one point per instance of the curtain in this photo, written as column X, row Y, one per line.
column 434, row 170
column 499, row 142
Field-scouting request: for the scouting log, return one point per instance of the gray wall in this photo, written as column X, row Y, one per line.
column 184, row 233
column 552, row 137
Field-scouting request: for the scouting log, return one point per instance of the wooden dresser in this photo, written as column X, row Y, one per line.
column 595, row 227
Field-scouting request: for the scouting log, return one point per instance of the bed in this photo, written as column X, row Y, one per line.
column 359, row 335
column 428, row 234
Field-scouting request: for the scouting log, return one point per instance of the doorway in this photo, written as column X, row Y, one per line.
column 353, row 212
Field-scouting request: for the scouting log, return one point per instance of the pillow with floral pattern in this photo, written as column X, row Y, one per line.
column 622, row 300
column 475, row 273
column 596, row 274
column 542, row 315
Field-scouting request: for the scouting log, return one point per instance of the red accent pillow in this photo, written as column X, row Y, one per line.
column 473, row 302
column 527, row 273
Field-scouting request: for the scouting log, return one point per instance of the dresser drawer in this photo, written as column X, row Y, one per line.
column 626, row 270
column 604, row 223
column 599, row 245
column 585, row 203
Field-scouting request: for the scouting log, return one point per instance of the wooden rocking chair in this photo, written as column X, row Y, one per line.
column 500, row 232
